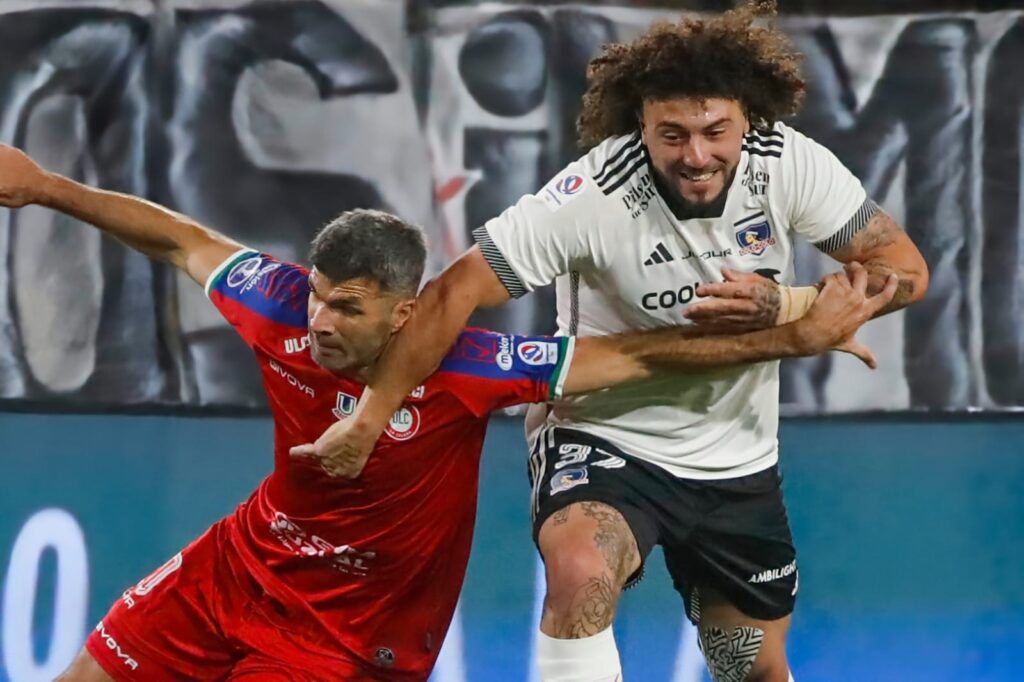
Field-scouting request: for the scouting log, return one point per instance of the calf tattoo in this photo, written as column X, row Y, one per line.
column 730, row 655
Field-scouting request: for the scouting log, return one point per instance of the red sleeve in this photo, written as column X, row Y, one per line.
column 489, row 371
column 256, row 292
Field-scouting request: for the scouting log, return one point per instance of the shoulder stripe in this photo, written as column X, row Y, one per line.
column 627, row 175
column 224, row 267
column 854, row 225
column 615, row 172
column 630, row 143
column 763, row 143
column 766, row 133
column 497, row 261
column 754, row 151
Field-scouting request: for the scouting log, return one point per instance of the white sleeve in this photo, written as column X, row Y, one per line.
column 537, row 239
column 827, row 203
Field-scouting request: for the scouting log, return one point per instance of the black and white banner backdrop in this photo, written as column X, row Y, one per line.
column 266, row 119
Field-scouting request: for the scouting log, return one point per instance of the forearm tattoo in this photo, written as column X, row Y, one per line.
column 881, row 231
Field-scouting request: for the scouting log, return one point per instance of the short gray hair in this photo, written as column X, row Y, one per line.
column 374, row 245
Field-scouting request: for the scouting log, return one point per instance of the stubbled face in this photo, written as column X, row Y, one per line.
column 351, row 321
column 695, row 146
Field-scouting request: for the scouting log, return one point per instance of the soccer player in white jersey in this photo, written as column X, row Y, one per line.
column 691, row 185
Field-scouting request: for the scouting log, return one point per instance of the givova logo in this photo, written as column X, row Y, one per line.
column 112, row 644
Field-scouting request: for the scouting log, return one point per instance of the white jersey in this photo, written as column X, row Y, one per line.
column 622, row 261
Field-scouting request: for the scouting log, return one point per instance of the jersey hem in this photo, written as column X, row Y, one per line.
column 561, row 373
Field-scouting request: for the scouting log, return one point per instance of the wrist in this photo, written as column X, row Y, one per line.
column 373, row 411
column 50, row 190
column 799, row 338
column 794, row 302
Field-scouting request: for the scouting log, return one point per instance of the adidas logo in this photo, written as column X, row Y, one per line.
column 659, row 255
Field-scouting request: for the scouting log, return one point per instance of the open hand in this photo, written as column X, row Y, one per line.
column 839, row 311
column 21, row 178
column 743, row 302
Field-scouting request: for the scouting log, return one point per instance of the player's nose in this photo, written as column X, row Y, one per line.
column 695, row 154
column 319, row 322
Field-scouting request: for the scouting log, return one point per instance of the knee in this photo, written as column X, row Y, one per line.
column 572, row 566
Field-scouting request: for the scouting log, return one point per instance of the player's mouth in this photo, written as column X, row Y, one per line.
column 698, row 180
column 325, row 350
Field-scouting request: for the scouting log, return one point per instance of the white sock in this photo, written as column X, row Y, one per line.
column 591, row 659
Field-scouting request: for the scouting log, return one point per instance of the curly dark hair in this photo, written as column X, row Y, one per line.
column 727, row 56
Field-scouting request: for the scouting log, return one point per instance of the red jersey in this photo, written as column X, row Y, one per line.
column 379, row 560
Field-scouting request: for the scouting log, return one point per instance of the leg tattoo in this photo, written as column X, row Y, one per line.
column 730, row 655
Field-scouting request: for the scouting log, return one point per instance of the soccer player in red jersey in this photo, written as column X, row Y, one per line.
column 316, row 577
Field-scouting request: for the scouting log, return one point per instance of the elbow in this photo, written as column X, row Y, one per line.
column 919, row 281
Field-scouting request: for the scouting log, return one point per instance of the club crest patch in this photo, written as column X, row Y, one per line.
column 754, row 239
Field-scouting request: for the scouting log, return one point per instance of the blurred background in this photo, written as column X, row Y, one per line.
column 131, row 417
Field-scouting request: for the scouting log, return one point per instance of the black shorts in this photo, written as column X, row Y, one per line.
column 730, row 534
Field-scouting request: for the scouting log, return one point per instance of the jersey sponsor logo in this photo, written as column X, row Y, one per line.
column 344, row 405
column 296, row 345
column 773, row 573
column 292, row 380
column 754, row 239
column 570, row 184
column 538, row 353
column 561, row 191
column 112, row 644
column 242, row 272
column 638, row 198
column 504, row 354
column 258, row 277
column 660, row 300
column 567, row 479
column 756, row 182
column 661, row 254
column 249, row 272
column 404, row 424
column 343, row 558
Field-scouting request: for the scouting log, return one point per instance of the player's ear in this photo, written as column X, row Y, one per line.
column 401, row 313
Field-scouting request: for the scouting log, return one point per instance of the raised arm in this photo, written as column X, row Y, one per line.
column 839, row 310
column 149, row 228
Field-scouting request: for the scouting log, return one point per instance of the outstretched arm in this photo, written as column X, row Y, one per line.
column 149, row 228
column 841, row 308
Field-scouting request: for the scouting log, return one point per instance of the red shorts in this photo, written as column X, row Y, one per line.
column 202, row 616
